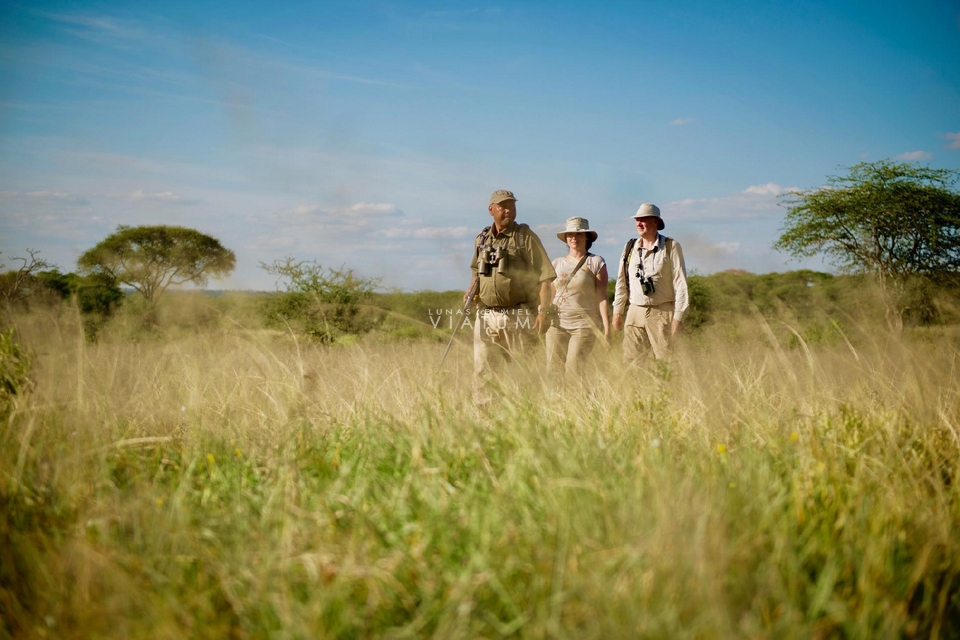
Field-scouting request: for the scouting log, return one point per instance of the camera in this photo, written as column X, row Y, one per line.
column 489, row 257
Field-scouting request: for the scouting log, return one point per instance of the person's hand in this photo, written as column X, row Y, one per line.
column 675, row 327
column 466, row 294
column 617, row 321
column 541, row 324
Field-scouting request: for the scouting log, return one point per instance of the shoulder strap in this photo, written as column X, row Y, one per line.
column 579, row 264
column 481, row 239
column 575, row 269
column 627, row 250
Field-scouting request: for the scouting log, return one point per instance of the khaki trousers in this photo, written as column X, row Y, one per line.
column 499, row 336
column 568, row 349
column 646, row 329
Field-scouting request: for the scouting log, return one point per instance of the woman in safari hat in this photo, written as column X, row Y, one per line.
column 580, row 300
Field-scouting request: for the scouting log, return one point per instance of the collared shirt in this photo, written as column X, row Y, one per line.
column 669, row 274
column 526, row 266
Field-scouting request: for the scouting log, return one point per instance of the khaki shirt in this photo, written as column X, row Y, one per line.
column 527, row 265
column 669, row 274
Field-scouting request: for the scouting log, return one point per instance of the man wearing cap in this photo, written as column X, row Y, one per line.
column 651, row 295
column 513, row 274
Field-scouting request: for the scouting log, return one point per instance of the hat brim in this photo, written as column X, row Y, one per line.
column 562, row 236
column 660, row 224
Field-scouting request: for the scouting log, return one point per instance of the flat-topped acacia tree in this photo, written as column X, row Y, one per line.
column 895, row 221
column 151, row 258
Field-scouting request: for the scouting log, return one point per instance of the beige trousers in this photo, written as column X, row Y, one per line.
column 498, row 337
column 568, row 349
column 646, row 329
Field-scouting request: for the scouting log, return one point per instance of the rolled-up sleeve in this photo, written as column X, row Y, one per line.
column 681, row 300
column 620, row 291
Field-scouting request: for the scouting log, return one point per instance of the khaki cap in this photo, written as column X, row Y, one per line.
column 501, row 195
column 577, row 224
column 648, row 210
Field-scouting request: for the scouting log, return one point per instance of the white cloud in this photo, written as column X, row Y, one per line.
column 953, row 140
column 356, row 216
column 706, row 253
column 280, row 242
column 682, row 121
column 305, row 209
column 770, row 188
column 424, row 232
column 725, row 248
column 915, row 155
column 44, row 198
column 47, row 194
column 546, row 230
column 755, row 201
column 163, row 196
column 370, row 209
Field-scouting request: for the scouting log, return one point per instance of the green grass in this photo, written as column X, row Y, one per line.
column 225, row 482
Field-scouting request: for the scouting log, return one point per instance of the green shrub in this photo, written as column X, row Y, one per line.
column 14, row 371
column 96, row 294
column 323, row 303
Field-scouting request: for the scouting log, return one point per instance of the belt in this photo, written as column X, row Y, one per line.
column 669, row 303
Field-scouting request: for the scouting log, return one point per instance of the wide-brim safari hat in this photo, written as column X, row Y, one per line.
column 648, row 210
column 577, row 225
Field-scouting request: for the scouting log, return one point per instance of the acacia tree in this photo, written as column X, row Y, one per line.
column 151, row 258
column 895, row 221
column 15, row 284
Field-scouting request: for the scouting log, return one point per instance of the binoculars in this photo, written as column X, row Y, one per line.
column 490, row 257
column 646, row 283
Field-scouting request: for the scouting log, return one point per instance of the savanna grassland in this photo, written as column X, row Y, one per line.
column 211, row 478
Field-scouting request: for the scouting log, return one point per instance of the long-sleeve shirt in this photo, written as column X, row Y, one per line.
column 664, row 263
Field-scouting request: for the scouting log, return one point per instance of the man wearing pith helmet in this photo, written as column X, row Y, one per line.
column 651, row 296
column 513, row 273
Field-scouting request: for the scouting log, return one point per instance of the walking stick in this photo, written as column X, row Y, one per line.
column 463, row 316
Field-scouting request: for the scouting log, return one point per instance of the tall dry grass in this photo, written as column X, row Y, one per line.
column 232, row 482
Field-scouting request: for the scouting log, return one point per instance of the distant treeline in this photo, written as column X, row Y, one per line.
column 336, row 307
column 803, row 295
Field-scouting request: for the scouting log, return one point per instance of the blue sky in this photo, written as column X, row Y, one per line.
column 370, row 134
